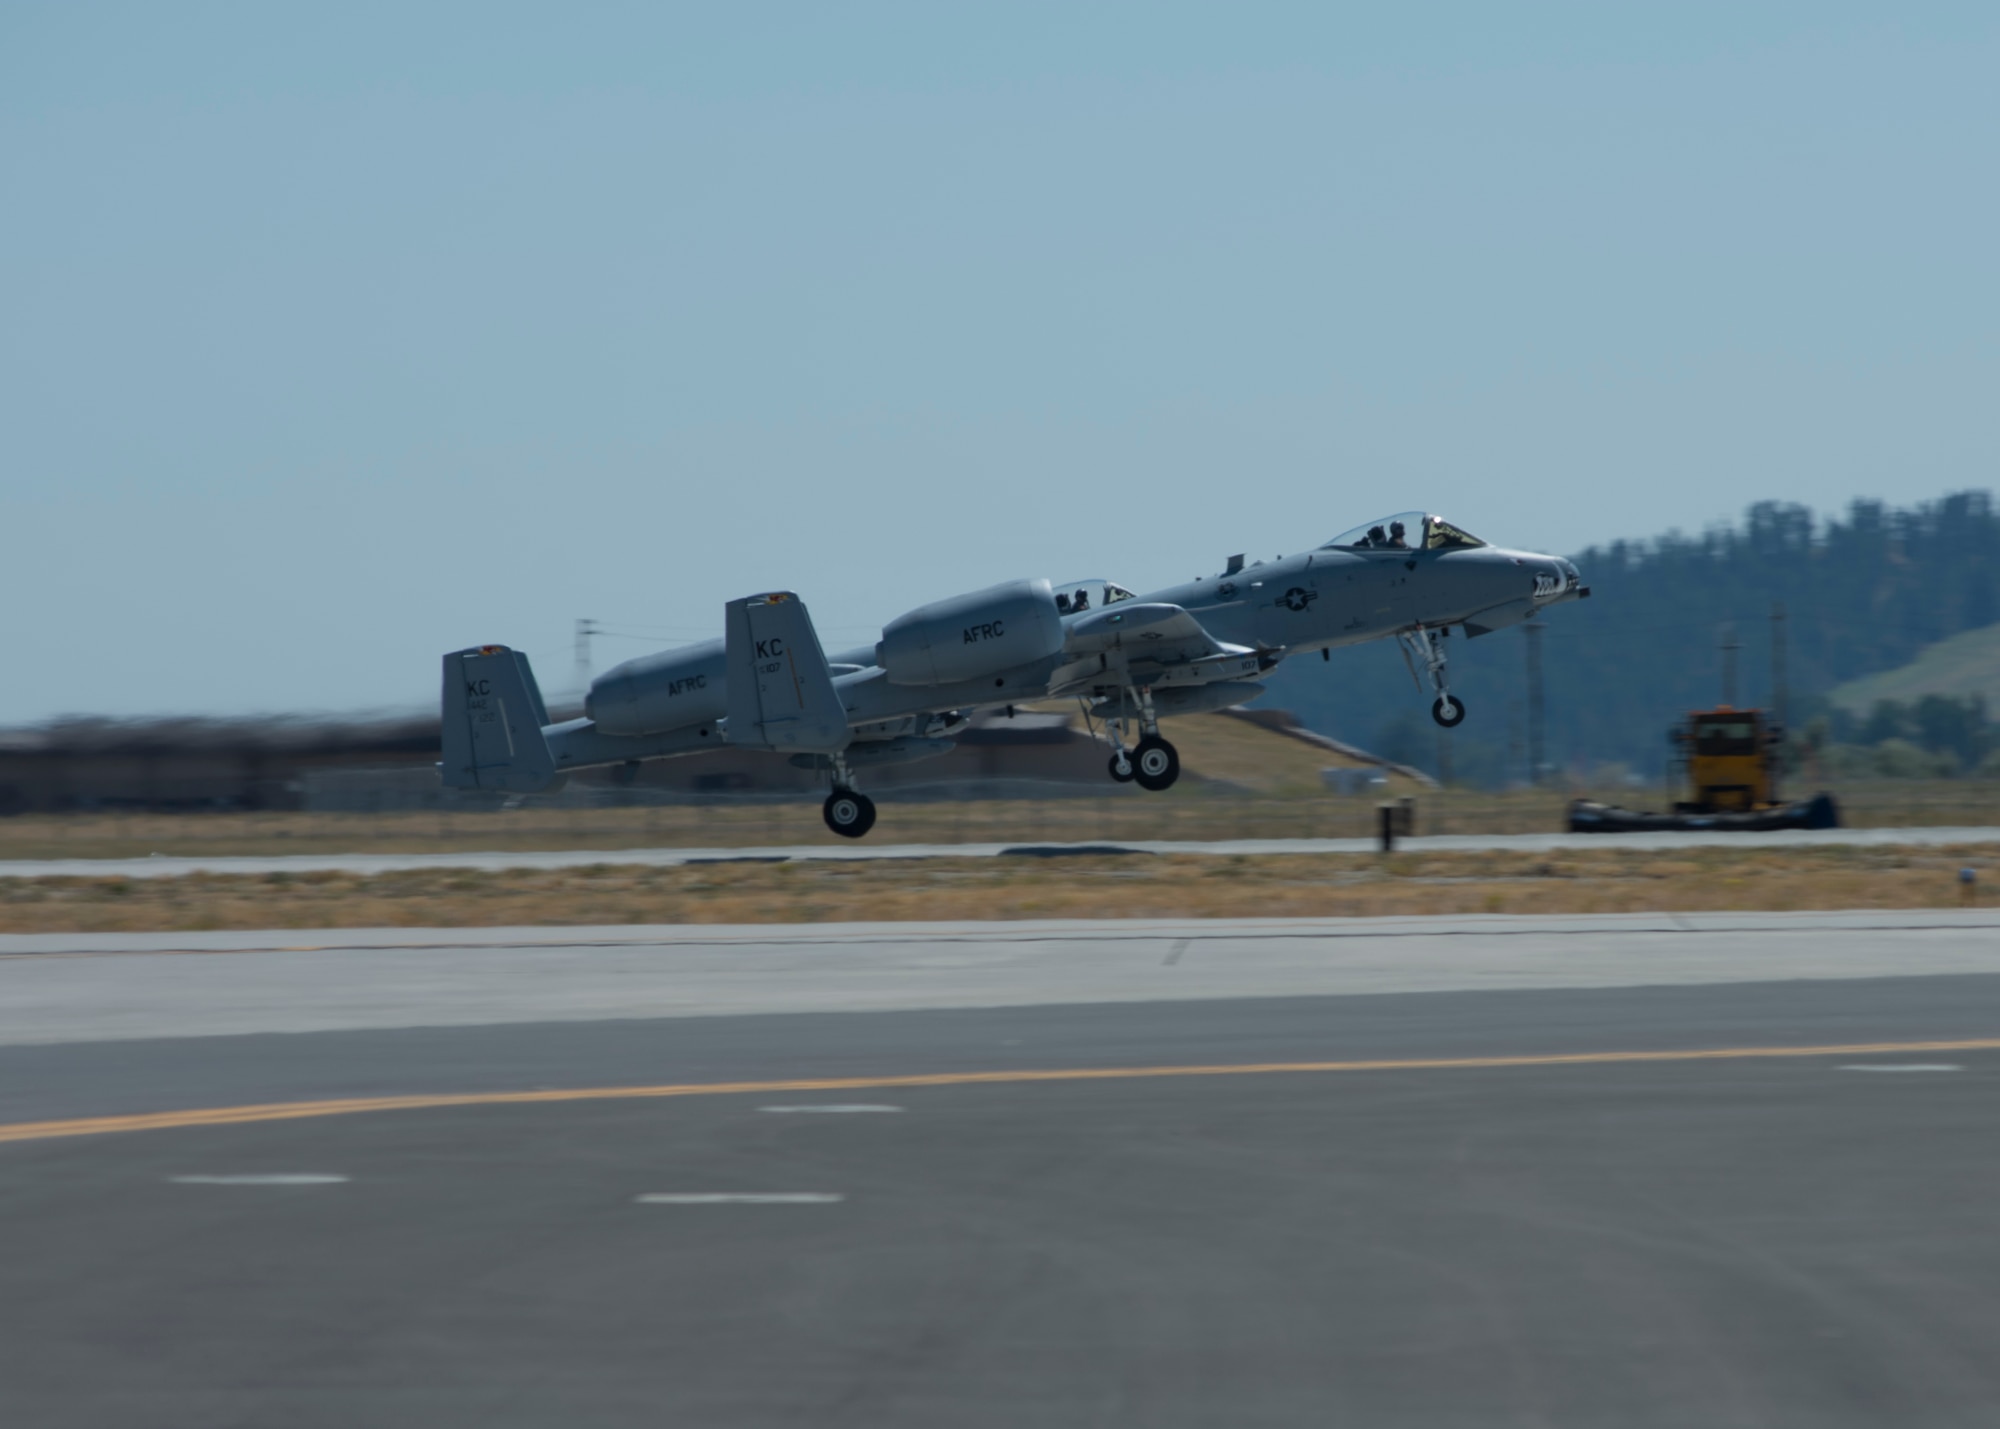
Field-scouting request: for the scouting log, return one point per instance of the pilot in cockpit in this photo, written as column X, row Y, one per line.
column 1396, row 540
column 1375, row 537
column 1081, row 601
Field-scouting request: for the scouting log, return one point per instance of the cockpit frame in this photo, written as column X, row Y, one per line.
column 1394, row 533
column 1080, row 597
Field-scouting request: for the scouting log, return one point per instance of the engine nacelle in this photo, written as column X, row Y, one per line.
column 670, row 690
column 972, row 636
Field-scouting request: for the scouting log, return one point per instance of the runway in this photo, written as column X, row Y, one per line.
column 89, row 987
column 1718, row 1170
column 843, row 851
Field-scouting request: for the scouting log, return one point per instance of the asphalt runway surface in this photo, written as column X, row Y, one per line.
column 1481, row 1171
column 842, row 850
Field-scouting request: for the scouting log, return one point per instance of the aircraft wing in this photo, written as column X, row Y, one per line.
column 1153, row 631
column 1162, row 646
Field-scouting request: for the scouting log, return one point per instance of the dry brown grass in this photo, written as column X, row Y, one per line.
column 1180, row 813
column 1587, row 881
column 1184, row 812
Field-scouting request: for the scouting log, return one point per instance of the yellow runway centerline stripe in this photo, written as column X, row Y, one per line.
column 293, row 1111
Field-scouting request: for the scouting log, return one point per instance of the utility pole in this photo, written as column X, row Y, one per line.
column 1730, row 646
column 584, row 630
column 1533, row 629
column 1781, row 694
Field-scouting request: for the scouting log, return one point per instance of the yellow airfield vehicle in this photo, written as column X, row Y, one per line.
column 1731, row 759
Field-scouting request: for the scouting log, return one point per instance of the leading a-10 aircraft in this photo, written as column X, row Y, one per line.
column 1131, row 660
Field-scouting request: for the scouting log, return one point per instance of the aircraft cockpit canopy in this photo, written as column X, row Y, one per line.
column 1407, row 531
column 1080, row 597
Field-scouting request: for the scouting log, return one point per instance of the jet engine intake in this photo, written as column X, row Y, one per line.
column 972, row 636
column 670, row 690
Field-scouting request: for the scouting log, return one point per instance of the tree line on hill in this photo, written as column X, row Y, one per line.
column 1935, row 736
column 1673, row 624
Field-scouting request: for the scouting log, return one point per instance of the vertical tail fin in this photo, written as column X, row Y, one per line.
column 781, row 693
column 493, row 718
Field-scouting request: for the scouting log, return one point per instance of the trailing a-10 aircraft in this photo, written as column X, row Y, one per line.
column 1130, row 660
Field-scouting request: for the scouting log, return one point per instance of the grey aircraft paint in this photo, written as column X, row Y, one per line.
column 1131, row 660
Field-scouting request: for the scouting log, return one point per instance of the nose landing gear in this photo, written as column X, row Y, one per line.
column 1427, row 645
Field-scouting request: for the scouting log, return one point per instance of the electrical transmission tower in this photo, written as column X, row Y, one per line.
column 1533, row 630
column 584, row 630
column 1781, row 693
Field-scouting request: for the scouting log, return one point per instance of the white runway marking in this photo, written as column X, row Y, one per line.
column 739, row 1198
column 832, row 1108
column 1903, row 1067
column 290, row 1178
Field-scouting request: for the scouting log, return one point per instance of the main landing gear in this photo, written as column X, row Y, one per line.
column 847, row 812
column 1428, row 646
column 1152, row 762
column 1158, row 763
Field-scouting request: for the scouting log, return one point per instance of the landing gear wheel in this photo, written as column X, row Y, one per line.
column 1121, row 768
column 1158, row 763
column 1448, row 712
column 848, row 814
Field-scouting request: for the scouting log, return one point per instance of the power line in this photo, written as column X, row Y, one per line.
column 624, row 631
column 584, row 630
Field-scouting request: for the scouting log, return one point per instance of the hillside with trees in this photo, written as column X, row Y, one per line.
column 1860, row 594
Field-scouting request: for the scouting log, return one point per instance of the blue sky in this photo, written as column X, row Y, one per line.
column 334, row 338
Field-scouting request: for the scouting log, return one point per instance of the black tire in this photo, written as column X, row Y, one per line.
column 1449, row 711
column 848, row 814
column 1131, row 770
column 1156, row 763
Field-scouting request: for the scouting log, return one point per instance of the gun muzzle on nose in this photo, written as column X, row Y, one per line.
column 1559, row 581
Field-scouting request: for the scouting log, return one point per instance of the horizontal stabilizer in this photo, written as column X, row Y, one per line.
column 493, row 715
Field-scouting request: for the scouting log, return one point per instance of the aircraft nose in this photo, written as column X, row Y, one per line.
column 1556, row 579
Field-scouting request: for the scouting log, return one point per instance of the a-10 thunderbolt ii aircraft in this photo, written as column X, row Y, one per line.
column 1130, row 659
